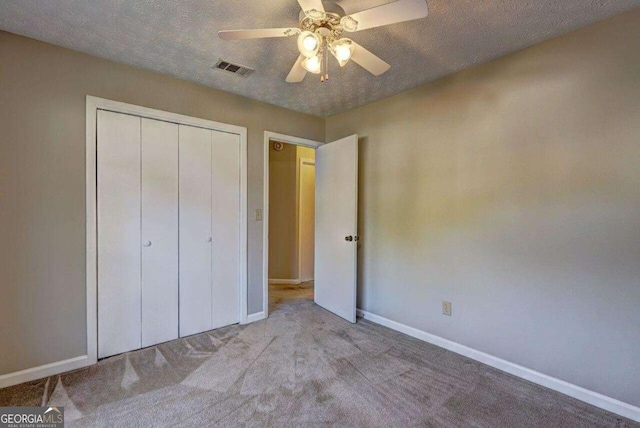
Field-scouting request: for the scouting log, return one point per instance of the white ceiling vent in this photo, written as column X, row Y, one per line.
column 230, row 67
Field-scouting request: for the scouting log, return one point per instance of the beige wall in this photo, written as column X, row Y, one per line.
column 42, row 186
column 283, row 210
column 513, row 190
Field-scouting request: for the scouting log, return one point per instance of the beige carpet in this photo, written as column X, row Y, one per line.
column 302, row 366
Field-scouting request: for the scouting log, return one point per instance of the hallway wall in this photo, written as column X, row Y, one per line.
column 282, row 213
column 283, row 210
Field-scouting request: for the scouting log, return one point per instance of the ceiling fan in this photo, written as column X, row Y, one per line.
column 322, row 25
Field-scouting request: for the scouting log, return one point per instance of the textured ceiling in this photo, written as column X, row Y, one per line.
column 179, row 38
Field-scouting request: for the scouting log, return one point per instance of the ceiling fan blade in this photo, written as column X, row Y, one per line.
column 258, row 34
column 298, row 72
column 390, row 13
column 308, row 5
column 368, row 61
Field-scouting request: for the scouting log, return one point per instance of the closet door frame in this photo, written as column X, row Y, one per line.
column 93, row 104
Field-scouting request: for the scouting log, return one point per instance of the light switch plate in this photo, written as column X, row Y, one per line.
column 446, row 308
column 258, row 215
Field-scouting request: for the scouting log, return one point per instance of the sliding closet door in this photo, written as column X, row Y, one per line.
column 225, row 221
column 159, row 231
column 195, row 230
column 118, row 177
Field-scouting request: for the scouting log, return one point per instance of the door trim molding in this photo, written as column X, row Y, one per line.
column 93, row 104
column 256, row 317
column 297, row 141
column 561, row 386
column 43, row 371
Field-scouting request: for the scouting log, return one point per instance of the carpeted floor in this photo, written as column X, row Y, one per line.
column 302, row 366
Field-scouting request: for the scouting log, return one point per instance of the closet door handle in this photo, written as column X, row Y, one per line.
column 209, row 239
column 147, row 243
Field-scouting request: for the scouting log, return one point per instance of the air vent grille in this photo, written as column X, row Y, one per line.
column 232, row 68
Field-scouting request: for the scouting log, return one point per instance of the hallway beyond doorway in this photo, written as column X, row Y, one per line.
column 280, row 294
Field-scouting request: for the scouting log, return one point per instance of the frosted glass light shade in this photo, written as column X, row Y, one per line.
column 343, row 50
column 313, row 64
column 308, row 44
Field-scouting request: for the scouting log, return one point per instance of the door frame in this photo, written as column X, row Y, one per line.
column 289, row 139
column 93, row 104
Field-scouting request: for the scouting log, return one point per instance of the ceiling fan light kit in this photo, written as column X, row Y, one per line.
column 321, row 29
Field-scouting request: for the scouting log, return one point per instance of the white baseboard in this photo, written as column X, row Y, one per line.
column 582, row 394
column 255, row 317
column 284, row 281
column 40, row 372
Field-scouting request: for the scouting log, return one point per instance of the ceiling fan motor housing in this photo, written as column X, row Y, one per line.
column 329, row 27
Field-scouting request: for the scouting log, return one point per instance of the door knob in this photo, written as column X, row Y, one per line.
column 348, row 238
column 209, row 239
column 147, row 243
column 356, row 238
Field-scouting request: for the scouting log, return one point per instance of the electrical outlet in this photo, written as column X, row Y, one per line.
column 446, row 308
column 258, row 215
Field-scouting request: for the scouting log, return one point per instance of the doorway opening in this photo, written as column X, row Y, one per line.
column 291, row 223
column 289, row 220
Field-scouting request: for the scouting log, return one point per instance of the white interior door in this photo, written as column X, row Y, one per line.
column 159, row 231
column 307, row 171
column 195, row 230
column 336, row 232
column 119, row 265
column 225, row 225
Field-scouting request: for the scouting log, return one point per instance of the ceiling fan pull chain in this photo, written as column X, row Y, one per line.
column 326, row 61
column 322, row 64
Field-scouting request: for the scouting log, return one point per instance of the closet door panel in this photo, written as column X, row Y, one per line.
column 195, row 230
column 119, row 267
column 159, row 231
column 225, row 221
